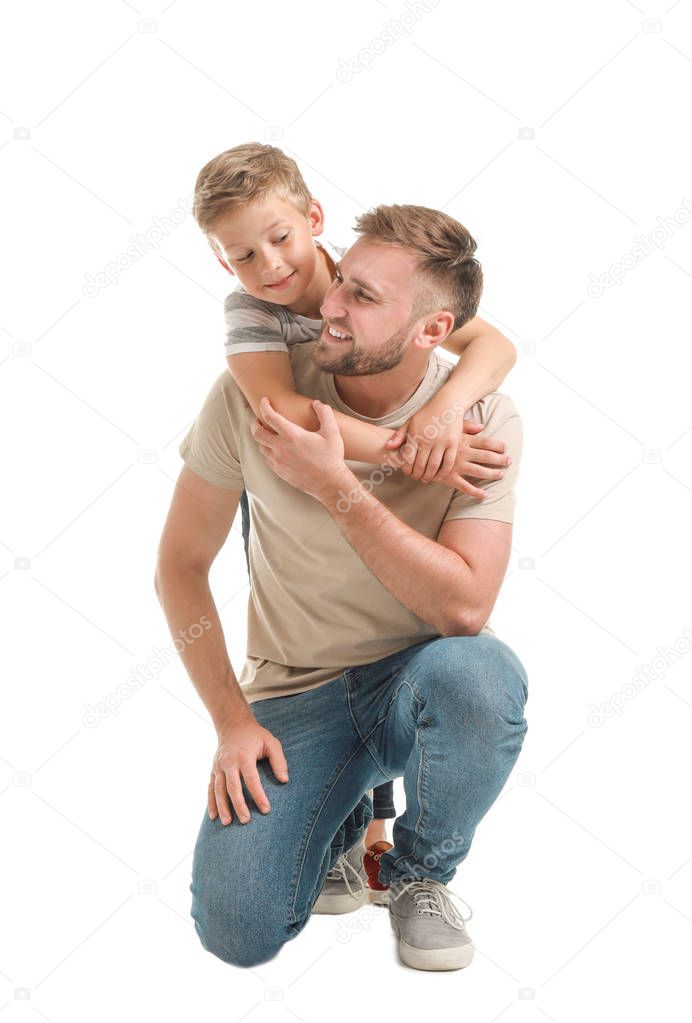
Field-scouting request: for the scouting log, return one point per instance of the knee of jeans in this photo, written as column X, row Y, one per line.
column 481, row 675
column 235, row 939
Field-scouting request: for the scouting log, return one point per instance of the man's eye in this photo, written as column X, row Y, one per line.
column 362, row 297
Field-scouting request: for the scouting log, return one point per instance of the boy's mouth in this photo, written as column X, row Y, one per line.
column 283, row 283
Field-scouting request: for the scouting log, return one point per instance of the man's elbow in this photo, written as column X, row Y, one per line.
column 467, row 622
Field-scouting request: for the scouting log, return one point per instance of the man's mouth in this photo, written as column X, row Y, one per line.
column 283, row 283
column 337, row 335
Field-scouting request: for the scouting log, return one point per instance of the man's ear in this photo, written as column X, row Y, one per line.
column 316, row 217
column 435, row 329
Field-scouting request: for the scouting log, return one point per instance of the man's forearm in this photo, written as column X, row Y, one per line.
column 186, row 600
column 427, row 578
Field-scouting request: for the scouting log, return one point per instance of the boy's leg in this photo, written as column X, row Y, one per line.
column 383, row 801
column 254, row 885
column 453, row 726
column 245, row 512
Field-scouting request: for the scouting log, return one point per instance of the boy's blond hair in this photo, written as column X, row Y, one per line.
column 246, row 174
column 450, row 276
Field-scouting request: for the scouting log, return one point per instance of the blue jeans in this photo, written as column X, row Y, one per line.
column 383, row 795
column 446, row 714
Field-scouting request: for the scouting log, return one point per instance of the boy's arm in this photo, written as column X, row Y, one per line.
column 488, row 356
column 269, row 373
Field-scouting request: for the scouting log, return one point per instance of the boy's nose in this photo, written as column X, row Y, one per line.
column 271, row 262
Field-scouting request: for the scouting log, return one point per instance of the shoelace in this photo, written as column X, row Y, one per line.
column 338, row 873
column 435, row 898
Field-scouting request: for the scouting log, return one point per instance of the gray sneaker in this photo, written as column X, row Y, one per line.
column 430, row 929
column 345, row 887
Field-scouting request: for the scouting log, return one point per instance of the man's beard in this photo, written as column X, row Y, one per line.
column 355, row 363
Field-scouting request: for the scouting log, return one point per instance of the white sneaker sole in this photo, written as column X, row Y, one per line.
column 331, row 904
column 434, row 958
column 378, row 898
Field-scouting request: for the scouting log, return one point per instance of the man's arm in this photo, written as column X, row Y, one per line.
column 198, row 523
column 451, row 582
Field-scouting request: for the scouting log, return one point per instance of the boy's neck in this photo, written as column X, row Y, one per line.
column 309, row 304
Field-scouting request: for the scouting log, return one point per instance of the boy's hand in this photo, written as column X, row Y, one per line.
column 451, row 452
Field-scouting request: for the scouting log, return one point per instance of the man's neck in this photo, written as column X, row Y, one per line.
column 378, row 394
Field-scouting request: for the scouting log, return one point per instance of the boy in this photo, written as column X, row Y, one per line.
column 262, row 223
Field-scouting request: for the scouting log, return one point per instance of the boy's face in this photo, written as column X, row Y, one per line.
column 268, row 245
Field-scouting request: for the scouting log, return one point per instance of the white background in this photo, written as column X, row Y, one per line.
column 556, row 133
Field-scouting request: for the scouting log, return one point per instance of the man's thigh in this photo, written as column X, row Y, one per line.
column 439, row 683
column 254, row 885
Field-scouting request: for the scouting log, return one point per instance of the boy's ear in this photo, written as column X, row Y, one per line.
column 224, row 264
column 316, row 217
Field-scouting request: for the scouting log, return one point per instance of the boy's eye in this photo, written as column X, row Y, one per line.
column 244, row 259
column 283, row 239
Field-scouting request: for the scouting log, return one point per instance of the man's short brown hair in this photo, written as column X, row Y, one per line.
column 246, row 174
column 449, row 275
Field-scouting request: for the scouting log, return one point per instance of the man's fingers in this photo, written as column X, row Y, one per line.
column 252, row 780
column 471, row 427
column 235, row 790
column 211, row 801
column 397, row 437
column 277, row 760
column 221, row 797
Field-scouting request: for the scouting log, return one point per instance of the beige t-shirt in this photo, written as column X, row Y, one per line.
column 314, row 607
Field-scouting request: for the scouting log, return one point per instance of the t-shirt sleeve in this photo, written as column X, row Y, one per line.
column 502, row 423
column 252, row 325
column 210, row 446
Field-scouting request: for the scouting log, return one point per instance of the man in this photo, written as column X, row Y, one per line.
column 369, row 654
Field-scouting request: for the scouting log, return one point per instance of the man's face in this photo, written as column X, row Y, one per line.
column 268, row 245
column 371, row 301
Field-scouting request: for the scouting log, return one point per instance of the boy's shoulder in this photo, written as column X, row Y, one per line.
column 239, row 300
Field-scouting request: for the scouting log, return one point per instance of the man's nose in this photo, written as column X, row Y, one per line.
column 332, row 307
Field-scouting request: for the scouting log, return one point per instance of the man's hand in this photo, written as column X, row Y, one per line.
column 241, row 745
column 310, row 460
column 451, row 454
